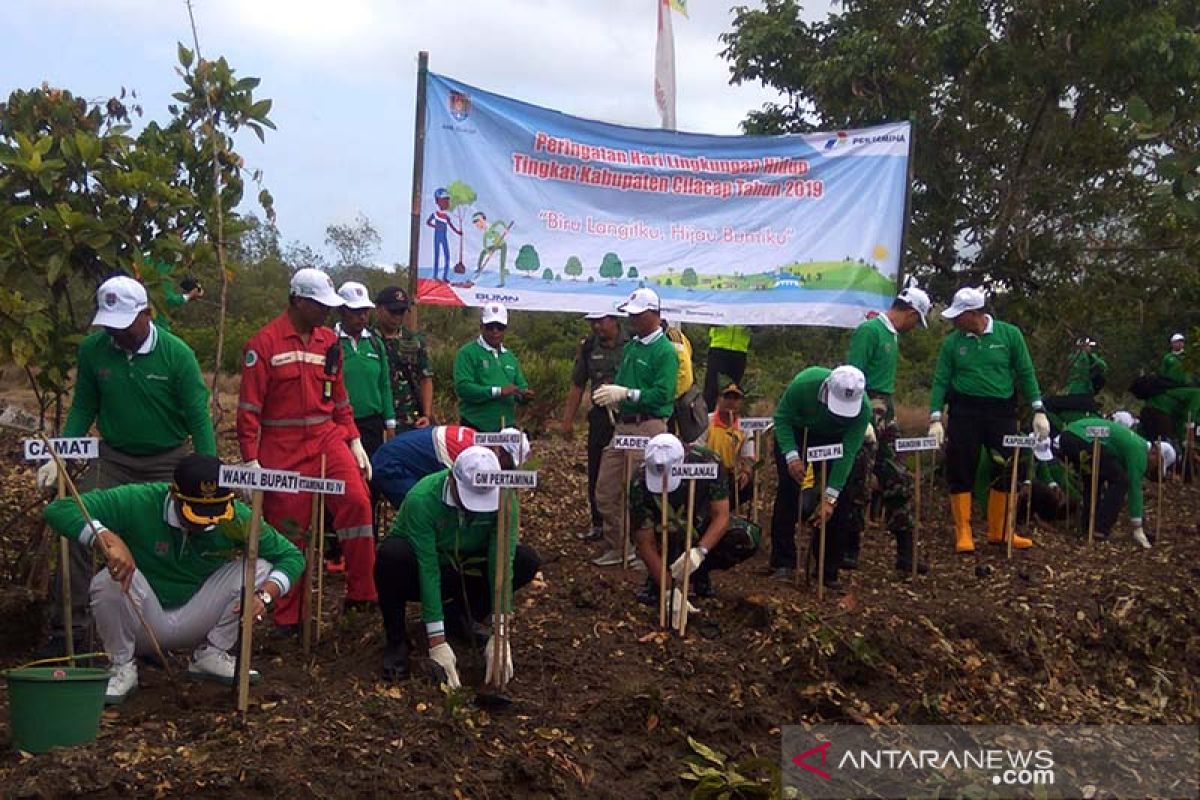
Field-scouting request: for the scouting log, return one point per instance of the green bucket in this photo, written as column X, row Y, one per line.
column 54, row 706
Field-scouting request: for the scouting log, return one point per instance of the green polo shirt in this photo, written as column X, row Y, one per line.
column 993, row 366
column 176, row 563
column 1173, row 370
column 875, row 349
column 650, row 367
column 1129, row 448
column 442, row 534
column 368, row 380
column 479, row 374
column 801, row 408
column 1080, row 370
column 143, row 403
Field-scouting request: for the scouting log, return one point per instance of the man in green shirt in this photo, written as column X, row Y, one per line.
column 1085, row 369
column 979, row 370
column 142, row 387
column 728, row 346
column 365, row 368
column 819, row 407
column 641, row 399
column 441, row 552
column 1172, row 368
column 875, row 349
column 408, row 357
column 596, row 362
column 487, row 377
column 1125, row 459
column 494, row 236
column 173, row 551
column 1167, row 414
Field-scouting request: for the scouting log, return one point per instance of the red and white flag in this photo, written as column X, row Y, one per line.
column 664, row 61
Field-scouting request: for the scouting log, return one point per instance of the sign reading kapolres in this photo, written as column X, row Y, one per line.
column 538, row 210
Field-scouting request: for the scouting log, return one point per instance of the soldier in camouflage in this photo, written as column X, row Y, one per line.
column 408, row 361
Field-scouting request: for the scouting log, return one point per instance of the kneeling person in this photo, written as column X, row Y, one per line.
column 170, row 550
column 446, row 525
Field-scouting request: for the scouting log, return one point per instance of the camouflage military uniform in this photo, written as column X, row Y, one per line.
column 408, row 360
column 894, row 483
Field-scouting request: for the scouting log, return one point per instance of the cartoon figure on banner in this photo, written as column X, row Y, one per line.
column 494, row 236
column 440, row 221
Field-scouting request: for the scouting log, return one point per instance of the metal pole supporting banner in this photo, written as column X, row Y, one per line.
column 414, row 229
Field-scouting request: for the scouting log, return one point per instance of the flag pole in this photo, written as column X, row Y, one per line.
column 414, row 228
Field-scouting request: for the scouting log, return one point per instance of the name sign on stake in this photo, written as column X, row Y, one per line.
column 264, row 480
column 695, row 472
column 1020, row 441
column 506, row 479
column 826, row 452
column 627, row 442
column 497, row 439
column 916, row 444
column 81, row 447
column 321, row 485
column 1097, row 432
column 755, row 424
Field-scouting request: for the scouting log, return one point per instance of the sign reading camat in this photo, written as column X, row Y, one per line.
column 264, row 480
column 506, row 479
column 627, row 442
column 82, row 447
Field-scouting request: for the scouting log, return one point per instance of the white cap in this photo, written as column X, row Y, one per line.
column 470, row 461
column 1166, row 457
column 118, row 302
column 965, row 299
column 662, row 452
column 493, row 312
column 519, row 453
column 1042, row 450
column 602, row 314
column 918, row 300
column 843, row 391
column 1176, row 337
column 316, row 286
column 355, row 295
column 640, row 301
column 1124, row 418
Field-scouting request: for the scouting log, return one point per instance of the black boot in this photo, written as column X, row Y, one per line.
column 853, row 543
column 703, row 585
column 395, row 661
column 904, row 555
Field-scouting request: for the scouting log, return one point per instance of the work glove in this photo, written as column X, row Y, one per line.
column 1041, row 425
column 869, row 435
column 677, row 602
column 443, row 657
column 937, row 432
column 47, row 475
column 360, row 457
column 499, row 670
column 252, row 464
column 1139, row 536
column 695, row 556
column 609, row 394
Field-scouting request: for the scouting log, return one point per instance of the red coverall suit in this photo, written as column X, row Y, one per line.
column 286, row 419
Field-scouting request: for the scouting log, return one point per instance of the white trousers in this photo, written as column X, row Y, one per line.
column 208, row 618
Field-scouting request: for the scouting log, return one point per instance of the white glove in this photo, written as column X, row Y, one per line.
column 609, row 394
column 499, row 671
column 1041, row 425
column 252, row 464
column 443, row 656
column 869, row 434
column 677, row 602
column 1139, row 536
column 47, row 475
column 360, row 457
column 695, row 555
column 937, row 432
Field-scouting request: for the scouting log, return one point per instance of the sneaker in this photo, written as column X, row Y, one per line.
column 593, row 534
column 612, row 558
column 211, row 664
column 395, row 662
column 122, row 682
column 782, row 574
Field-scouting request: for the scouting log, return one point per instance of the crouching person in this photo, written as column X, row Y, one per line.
column 172, row 553
column 435, row 553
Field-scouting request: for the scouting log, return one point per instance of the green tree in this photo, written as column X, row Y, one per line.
column 689, row 279
column 574, row 267
column 632, row 273
column 462, row 196
column 354, row 243
column 611, row 267
column 547, row 274
column 527, row 260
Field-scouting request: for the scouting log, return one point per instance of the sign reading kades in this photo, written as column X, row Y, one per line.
column 264, row 480
column 82, row 447
column 506, row 479
column 626, row 442
column 695, row 472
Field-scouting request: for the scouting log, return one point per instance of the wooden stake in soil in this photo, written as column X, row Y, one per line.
column 821, row 541
column 320, row 565
column 65, row 570
column 1010, row 510
column 1162, row 477
column 801, row 564
column 1095, row 489
column 664, row 543
column 499, row 582
column 249, row 569
column 307, row 606
column 626, row 476
column 916, row 446
column 1029, row 502
column 758, row 461
column 916, row 515
column 687, row 557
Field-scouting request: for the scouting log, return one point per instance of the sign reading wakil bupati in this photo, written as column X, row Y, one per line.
column 539, row 210
column 629, row 442
column 498, row 439
column 1097, row 432
column 755, row 424
column 1020, row 441
column 826, row 452
column 264, row 480
column 695, row 472
column 916, row 444
column 81, row 447
column 506, row 479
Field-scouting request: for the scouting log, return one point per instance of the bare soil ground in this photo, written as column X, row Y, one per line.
column 604, row 703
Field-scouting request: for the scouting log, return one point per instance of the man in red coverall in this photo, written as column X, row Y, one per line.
column 293, row 409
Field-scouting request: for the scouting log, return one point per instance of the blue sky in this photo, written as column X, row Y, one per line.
column 342, row 75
